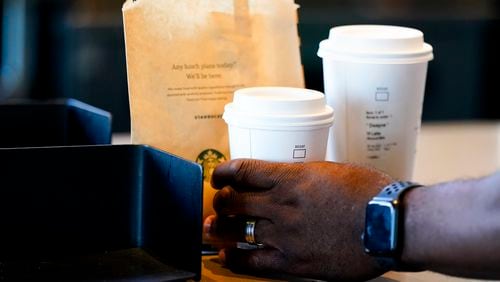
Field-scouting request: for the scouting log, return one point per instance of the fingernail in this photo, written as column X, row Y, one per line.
column 222, row 256
column 208, row 225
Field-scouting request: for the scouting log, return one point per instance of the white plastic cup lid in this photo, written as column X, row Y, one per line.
column 376, row 43
column 278, row 108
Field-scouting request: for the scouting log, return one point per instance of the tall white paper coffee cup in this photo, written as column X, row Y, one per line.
column 375, row 79
column 278, row 124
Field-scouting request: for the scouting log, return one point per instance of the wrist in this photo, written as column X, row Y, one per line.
column 411, row 252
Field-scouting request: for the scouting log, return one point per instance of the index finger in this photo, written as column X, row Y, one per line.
column 252, row 175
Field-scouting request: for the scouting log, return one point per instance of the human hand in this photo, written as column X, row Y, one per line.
column 309, row 217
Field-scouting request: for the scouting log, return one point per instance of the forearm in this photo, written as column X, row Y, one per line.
column 454, row 228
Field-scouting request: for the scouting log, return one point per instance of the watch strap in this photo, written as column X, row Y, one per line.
column 394, row 193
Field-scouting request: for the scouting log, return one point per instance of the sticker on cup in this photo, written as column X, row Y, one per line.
column 278, row 124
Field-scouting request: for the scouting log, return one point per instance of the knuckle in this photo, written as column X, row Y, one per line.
column 256, row 262
column 241, row 168
column 262, row 231
column 290, row 174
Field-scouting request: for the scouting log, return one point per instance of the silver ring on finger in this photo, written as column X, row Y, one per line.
column 250, row 232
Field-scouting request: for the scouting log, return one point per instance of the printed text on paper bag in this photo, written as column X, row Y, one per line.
column 204, row 71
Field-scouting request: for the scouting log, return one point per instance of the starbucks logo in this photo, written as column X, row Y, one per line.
column 209, row 159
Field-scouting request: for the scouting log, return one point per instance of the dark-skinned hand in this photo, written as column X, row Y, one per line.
column 309, row 218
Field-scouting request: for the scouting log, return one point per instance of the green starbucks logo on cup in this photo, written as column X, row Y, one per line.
column 209, row 159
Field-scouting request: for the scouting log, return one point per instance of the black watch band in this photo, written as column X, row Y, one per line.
column 395, row 190
column 384, row 225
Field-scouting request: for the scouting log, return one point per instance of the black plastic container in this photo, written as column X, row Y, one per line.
column 127, row 212
column 66, row 122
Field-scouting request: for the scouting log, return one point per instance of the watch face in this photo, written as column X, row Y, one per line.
column 380, row 237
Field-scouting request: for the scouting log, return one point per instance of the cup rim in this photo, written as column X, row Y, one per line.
column 278, row 107
column 279, row 122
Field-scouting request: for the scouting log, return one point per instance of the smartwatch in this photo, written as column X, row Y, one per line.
column 383, row 234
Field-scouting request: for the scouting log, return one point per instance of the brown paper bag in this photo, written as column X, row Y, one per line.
column 185, row 59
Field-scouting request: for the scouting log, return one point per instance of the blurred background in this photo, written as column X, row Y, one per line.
column 75, row 49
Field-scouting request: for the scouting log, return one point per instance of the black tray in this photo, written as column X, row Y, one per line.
column 125, row 212
column 68, row 122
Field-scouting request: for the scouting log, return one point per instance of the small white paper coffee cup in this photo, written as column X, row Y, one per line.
column 278, row 124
